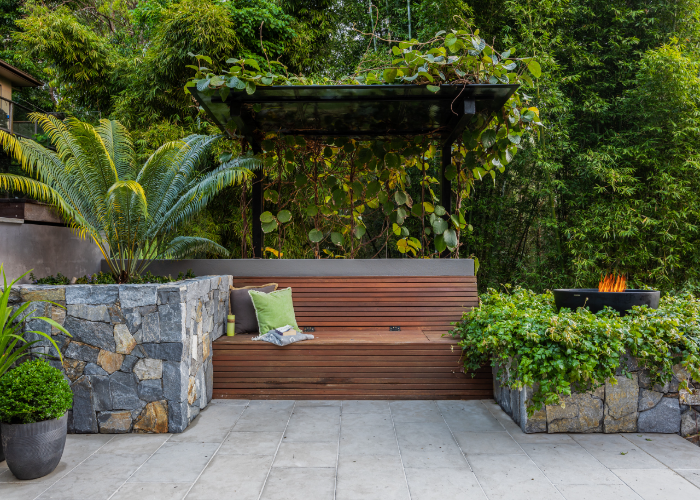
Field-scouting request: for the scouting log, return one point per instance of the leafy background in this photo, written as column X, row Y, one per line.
column 611, row 185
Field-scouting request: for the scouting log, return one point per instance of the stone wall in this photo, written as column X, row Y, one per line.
column 632, row 404
column 139, row 359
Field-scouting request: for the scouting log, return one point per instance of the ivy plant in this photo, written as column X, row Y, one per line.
column 555, row 353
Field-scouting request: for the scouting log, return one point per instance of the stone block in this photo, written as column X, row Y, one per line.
column 101, row 395
column 172, row 294
column 153, row 418
column 110, row 361
column 93, row 333
column 123, row 387
column 580, row 412
column 538, row 421
column 92, row 294
column 148, row 369
column 621, row 402
column 175, row 380
column 209, row 371
column 114, row 422
column 201, row 388
column 42, row 292
column 73, row 368
column 191, row 390
column 84, row 418
column 129, row 363
column 648, row 399
column 150, row 328
column 192, row 412
column 138, row 295
column 172, row 322
column 123, row 339
column 151, row 390
column 689, row 423
column 206, row 346
column 133, row 319
column 89, row 312
column 168, row 351
column 665, row 417
column 116, row 315
column 58, row 314
column 178, row 416
column 627, row 362
column 93, row 369
column 82, row 352
column 689, row 398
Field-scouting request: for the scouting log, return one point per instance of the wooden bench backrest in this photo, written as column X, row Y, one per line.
column 376, row 303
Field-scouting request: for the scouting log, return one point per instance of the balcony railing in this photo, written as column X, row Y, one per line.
column 14, row 118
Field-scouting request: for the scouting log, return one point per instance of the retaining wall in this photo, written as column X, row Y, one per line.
column 139, row 359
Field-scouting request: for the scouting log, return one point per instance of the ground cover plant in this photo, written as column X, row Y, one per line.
column 556, row 353
column 107, row 279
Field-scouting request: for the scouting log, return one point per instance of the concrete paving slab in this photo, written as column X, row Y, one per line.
column 512, row 477
column 307, row 454
column 366, row 407
column 471, row 418
column 130, row 444
column 616, row 452
column 499, row 443
column 371, row 477
column 300, row 484
column 692, row 475
column 657, row 484
column 669, row 449
column 441, row 484
column 424, row 434
column 211, row 425
column 243, row 402
column 569, row 464
column 175, row 463
column 415, row 457
column 321, row 423
column 22, row 491
column 597, row 492
column 152, row 491
column 233, row 477
column 259, row 404
column 318, row 402
column 262, row 419
column 367, row 434
column 415, row 411
column 251, row 443
column 97, row 477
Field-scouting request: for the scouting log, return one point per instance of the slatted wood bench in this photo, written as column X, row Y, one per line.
column 376, row 338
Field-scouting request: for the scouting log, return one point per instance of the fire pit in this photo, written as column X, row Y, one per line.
column 611, row 292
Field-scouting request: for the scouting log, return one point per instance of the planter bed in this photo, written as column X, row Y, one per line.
column 139, row 359
column 631, row 405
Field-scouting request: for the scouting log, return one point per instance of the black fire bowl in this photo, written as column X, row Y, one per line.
column 622, row 302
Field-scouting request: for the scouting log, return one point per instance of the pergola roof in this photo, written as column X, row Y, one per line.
column 361, row 111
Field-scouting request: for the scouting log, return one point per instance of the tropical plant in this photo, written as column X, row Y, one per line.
column 131, row 212
column 33, row 392
column 12, row 343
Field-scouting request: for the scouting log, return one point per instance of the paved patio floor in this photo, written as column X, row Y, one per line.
column 316, row 450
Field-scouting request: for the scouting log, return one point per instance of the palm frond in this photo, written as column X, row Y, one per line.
column 120, row 147
column 185, row 246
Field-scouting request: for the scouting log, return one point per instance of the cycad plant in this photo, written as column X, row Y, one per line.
column 132, row 212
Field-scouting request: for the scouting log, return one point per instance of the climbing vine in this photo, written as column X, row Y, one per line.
column 346, row 194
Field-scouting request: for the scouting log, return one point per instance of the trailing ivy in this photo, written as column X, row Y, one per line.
column 557, row 353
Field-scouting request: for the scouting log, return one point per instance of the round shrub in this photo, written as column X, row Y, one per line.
column 33, row 392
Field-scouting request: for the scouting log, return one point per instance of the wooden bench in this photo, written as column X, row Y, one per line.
column 376, row 338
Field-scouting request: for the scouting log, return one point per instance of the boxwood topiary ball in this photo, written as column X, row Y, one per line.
column 33, row 392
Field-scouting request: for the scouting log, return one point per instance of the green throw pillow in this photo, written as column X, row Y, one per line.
column 274, row 309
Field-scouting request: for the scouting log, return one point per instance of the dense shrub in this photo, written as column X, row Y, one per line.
column 107, row 279
column 556, row 353
column 33, row 392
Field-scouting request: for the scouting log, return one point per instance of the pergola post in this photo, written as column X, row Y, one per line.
column 445, row 184
column 257, row 201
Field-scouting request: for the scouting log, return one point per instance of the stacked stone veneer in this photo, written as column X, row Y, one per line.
column 632, row 404
column 139, row 359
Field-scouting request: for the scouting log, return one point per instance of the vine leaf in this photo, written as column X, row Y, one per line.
column 315, row 235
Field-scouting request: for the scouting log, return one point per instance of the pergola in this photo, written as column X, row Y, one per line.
column 359, row 111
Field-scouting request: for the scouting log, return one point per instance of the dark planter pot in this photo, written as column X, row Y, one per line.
column 595, row 300
column 34, row 450
column 2, row 455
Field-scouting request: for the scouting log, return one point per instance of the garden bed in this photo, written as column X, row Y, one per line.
column 139, row 359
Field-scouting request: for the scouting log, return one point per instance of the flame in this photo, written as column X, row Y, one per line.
column 612, row 284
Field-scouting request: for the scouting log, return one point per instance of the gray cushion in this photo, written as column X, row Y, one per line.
column 242, row 307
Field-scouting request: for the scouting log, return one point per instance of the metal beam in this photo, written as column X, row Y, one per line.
column 466, row 111
column 257, row 201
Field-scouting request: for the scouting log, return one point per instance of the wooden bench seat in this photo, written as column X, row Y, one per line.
column 355, row 355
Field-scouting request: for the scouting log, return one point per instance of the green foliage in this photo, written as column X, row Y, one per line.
column 33, row 392
column 131, row 212
column 557, row 353
column 107, row 279
column 12, row 344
